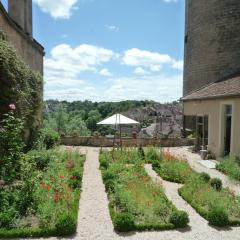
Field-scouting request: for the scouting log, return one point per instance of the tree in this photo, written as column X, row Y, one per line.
column 93, row 118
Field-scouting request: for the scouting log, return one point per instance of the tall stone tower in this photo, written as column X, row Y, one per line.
column 212, row 42
column 21, row 12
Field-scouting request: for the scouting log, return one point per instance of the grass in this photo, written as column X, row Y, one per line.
column 203, row 197
column 197, row 189
column 231, row 167
column 130, row 190
column 54, row 204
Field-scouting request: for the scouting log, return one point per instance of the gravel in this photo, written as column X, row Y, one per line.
column 94, row 222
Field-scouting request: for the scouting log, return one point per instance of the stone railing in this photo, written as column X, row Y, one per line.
column 128, row 142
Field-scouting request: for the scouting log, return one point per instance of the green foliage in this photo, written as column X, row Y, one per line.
column 49, row 138
column 152, row 154
column 75, row 180
column 205, row 177
column 11, row 146
column 216, row 183
column 21, row 86
column 231, row 167
column 131, row 190
column 70, row 124
column 7, row 218
column 93, row 118
column 217, row 216
column 179, row 219
column 65, row 225
column 174, row 170
column 123, row 222
column 204, row 198
column 44, row 192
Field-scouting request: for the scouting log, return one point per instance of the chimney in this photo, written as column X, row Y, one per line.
column 21, row 12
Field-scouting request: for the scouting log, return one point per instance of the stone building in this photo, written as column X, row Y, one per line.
column 17, row 25
column 211, row 92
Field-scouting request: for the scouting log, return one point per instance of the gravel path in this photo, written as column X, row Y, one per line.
column 193, row 159
column 94, row 222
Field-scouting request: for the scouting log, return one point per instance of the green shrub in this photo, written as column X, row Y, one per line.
column 205, row 177
column 141, row 152
column 231, row 167
column 11, row 145
column 156, row 164
column 104, row 164
column 65, row 225
column 7, row 218
column 123, row 222
column 107, row 175
column 217, row 216
column 109, row 185
column 179, row 219
column 151, row 154
column 40, row 158
column 75, row 180
column 50, row 138
column 216, row 183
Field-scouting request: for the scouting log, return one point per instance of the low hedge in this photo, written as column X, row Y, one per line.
column 135, row 201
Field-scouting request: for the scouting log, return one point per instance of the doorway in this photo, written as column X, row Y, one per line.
column 228, row 129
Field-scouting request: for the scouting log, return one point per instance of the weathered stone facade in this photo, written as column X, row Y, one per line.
column 212, row 41
column 29, row 49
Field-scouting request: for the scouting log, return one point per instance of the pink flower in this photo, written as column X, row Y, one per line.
column 12, row 106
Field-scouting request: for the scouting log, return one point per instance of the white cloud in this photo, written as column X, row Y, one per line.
column 57, row 9
column 178, row 65
column 159, row 88
column 170, row 1
column 66, row 61
column 140, row 71
column 112, row 28
column 105, row 72
column 149, row 60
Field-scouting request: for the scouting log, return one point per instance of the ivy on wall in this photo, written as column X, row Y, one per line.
column 19, row 85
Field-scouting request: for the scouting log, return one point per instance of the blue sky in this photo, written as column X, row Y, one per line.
column 111, row 50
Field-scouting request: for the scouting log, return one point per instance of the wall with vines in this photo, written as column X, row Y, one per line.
column 21, row 86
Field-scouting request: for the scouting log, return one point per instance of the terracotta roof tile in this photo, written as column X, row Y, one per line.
column 226, row 88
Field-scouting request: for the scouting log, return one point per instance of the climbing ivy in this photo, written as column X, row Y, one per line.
column 19, row 85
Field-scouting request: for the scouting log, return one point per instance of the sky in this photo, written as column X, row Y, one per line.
column 111, row 50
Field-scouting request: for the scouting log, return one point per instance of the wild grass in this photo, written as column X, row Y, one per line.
column 231, row 167
column 131, row 190
column 204, row 198
column 218, row 205
column 52, row 199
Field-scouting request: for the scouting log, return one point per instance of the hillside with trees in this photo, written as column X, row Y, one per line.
column 80, row 118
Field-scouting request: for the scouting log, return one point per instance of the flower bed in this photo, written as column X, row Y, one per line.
column 216, row 204
column 230, row 167
column 44, row 201
column 135, row 201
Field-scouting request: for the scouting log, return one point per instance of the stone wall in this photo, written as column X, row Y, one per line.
column 30, row 50
column 212, row 41
column 107, row 142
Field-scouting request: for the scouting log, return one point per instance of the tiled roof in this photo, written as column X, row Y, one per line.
column 223, row 89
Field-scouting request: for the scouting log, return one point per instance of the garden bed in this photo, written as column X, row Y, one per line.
column 207, row 196
column 135, row 201
column 230, row 167
column 44, row 202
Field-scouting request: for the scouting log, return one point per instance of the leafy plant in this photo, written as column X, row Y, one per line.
column 205, row 177
column 65, row 225
column 11, row 145
column 50, row 138
column 123, row 222
column 216, row 183
column 217, row 216
column 179, row 219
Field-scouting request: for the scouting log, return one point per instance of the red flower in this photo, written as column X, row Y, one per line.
column 56, row 196
column 49, row 187
column 61, row 177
